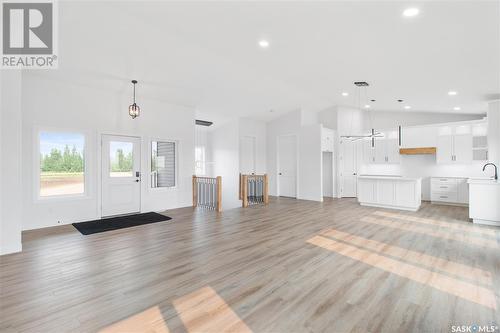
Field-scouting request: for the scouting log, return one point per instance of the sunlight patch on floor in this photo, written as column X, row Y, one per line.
column 464, row 290
column 460, row 237
column 455, row 226
column 200, row 311
column 150, row 320
column 205, row 311
column 415, row 257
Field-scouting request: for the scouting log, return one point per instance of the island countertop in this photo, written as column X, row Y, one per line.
column 390, row 177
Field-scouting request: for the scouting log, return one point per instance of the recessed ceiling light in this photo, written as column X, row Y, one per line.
column 264, row 43
column 410, row 12
column 407, row 107
column 457, row 108
column 452, row 93
column 367, row 106
column 345, row 94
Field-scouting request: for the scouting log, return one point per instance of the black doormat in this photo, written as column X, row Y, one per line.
column 120, row 222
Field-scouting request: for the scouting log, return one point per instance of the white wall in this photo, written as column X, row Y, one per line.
column 224, row 141
column 256, row 129
column 287, row 124
column 61, row 105
column 494, row 132
column 11, row 211
column 390, row 119
column 310, row 164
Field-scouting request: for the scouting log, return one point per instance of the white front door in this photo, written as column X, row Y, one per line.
column 348, row 169
column 247, row 155
column 287, row 166
column 121, row 165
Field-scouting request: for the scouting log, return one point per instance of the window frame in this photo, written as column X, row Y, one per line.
column 176, row 173
column 37, row 171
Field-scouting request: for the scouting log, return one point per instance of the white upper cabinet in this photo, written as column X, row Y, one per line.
column 386, row 149
column 327, row 139
column 419, row 137
column 444, row 153
column 480, row 142
column 454, row 144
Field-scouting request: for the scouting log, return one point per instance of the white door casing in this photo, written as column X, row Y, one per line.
column 287, row 166
column 120, row 175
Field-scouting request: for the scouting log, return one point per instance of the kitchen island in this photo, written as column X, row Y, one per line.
column 395, row 192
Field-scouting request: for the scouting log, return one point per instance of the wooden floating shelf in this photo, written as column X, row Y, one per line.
column 418, row 151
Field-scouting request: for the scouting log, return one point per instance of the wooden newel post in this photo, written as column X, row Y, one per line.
column 266, row 189
column 240, row 188
column 195, row 192
column 244, row 192
column 219, row 193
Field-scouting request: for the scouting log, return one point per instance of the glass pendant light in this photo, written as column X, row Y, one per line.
column 134, row 110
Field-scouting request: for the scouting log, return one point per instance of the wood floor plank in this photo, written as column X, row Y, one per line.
column 257, row 272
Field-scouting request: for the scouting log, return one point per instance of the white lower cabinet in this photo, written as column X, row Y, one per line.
column 451, row 190
column 390, row 192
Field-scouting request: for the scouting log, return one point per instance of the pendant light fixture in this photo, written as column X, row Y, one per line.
column 362, row 87
column 134, row 110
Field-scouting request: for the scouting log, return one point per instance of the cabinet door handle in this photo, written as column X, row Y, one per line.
column 443, row 187
column 443, row 196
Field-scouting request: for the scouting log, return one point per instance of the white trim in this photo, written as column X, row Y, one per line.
column 36, row 166
column 412, row 209
column 486, row 222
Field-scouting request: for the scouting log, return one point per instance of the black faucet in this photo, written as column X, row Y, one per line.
column 496, row 174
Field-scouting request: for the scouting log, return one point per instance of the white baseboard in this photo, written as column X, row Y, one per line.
column 486, row 222
column 411, row 209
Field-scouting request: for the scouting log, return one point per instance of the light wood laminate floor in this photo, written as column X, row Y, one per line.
column 291, row 266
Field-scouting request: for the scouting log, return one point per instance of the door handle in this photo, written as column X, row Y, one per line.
column 137, row 180
column 280, row 174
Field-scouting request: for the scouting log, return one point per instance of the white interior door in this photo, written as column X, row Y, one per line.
column 247, row 155
column 348, row 173
column 121, row 165
column 287, row 166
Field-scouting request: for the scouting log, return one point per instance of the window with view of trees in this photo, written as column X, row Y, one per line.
column 121, row 159
column 62, row 164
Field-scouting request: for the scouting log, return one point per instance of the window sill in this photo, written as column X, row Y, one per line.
column 163, row 189
column 62, row 198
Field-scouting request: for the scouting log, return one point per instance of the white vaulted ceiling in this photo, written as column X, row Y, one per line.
column 206, row 54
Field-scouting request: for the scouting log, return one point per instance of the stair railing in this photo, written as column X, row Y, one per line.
column 207, row 192
column 254, row 189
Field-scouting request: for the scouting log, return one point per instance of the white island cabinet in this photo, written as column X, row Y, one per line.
column 394, row 192
column 484, row 199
